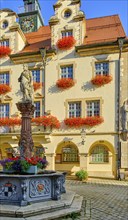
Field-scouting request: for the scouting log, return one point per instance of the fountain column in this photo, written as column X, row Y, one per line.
column 26, row 142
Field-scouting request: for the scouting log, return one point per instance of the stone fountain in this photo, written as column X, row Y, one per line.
column 25, row 189
column 32, row 196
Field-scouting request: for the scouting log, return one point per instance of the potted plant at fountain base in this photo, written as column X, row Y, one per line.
column 21, row 166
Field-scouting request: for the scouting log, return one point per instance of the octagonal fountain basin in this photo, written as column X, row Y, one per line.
column 27, row 189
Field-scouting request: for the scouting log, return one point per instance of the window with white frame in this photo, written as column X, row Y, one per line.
column 67, row 33
column 4, row 78
column 74, row 109
column 100, row 154
column 66, row 71
column 4, row 110
column 102, row 68
column 93, row 108
column 70, row 154
column 37, row 109
column 36, row 75
column 4, row 43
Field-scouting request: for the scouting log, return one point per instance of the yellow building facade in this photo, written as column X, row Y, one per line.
column 96, row 52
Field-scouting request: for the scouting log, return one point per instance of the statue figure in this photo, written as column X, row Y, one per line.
column 26, row 84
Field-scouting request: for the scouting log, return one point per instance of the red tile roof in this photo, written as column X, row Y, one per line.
column 103, row 29
column 98, row 30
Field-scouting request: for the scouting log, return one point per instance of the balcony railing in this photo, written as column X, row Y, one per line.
column 27, row 8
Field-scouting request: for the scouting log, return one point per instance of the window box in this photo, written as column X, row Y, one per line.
column 100, row 80
column 74, row 122
column 92, row 121
column 65, row 83
column 66, row 43
column 37, row 85
column 4, row 88
column 10, row 122
column 47, row 121
column 4, row 51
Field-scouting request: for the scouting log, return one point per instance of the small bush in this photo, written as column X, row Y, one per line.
column 82, row 174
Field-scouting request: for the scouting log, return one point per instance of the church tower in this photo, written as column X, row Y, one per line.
column 30, row 19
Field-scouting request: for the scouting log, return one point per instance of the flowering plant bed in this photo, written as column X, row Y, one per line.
column 4, row 51
column 93, row 120
column 37, row 85
column 10, row 122
column 65, row 83
column 47, row 121
column 100, row 80
column 4, row 88
column 18, row 165
column 66, row 43
column 74, row 122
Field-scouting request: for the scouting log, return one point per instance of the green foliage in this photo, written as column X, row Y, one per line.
column 25, row 165
column 82, row 174
column 8, row 165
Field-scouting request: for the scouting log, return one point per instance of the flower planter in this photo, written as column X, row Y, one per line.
column 37, row 85
column 32, row 170
column 4, row 51
column 4, row 89
column 8, row 171
column 65, row 83
column 66, row 43
column 101, row 80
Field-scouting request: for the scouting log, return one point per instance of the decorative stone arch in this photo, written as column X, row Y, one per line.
column 107, row 167
column 67, row 157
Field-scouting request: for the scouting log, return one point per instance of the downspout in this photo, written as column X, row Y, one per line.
column 120, row 44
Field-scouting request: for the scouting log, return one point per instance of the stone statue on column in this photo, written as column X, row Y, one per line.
column 26, row 84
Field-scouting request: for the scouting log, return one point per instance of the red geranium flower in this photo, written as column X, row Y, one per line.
column 4, row 88
column 47, row 121
column 74, row 122
column 100, row 80
column 4, row 51
column 66, row 43
column 65, row 83
column 37, row 85
column 92, row 120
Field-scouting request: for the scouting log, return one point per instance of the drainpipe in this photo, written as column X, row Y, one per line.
column 120, row 44
column 43, row 54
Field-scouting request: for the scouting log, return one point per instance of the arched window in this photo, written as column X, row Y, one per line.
column 70, row 154
column 100, row 154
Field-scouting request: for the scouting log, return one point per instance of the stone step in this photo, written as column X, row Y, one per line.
column 70, row 202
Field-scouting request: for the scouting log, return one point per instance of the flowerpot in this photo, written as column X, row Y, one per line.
column 7, row 171
column 32, row 170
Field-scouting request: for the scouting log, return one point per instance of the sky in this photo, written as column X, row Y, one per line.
column 91, row 8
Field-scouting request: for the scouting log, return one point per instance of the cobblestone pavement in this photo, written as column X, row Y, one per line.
column 103, row 199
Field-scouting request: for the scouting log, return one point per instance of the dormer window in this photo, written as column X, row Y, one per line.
column 67, row 33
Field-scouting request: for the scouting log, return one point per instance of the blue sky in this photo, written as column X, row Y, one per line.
column 92, row 8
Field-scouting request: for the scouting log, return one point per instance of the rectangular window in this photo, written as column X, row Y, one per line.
column 37, row 109
column 36, row 75
column 67, row 71
column 102, row 68
column 4, row 110
column 93, row 108
column 4, row 78
column 74, row 109
column 67, row 33
column 4, row 43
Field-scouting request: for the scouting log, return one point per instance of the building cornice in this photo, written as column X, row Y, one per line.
column 100, row 48
column 28, row 57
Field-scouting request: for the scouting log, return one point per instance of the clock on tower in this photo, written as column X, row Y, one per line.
column 31, row 19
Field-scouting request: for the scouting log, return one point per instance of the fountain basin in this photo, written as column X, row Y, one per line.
column 26, row 189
